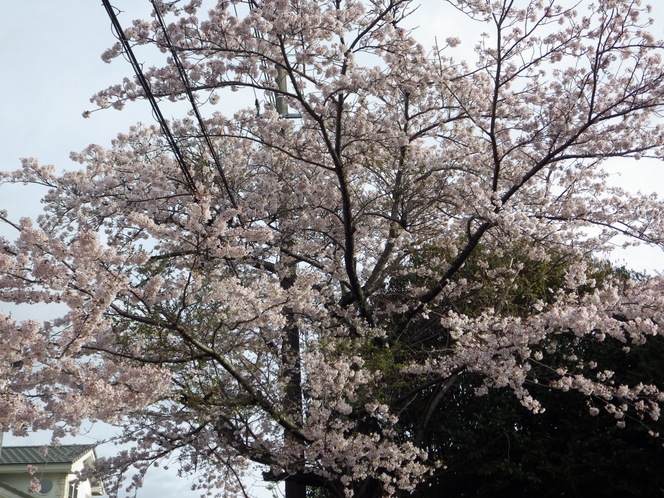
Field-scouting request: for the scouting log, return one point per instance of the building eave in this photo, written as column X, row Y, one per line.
column 8, row 491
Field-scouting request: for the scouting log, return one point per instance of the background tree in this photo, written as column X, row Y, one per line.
column 250, row 288
column 490, row 444
column 494, row 448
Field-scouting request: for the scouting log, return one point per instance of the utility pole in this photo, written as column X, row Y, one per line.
column 280, row 98
column 282, row 84
column 290, row 357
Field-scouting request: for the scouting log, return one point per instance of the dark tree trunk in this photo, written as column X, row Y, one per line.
column 295, row 490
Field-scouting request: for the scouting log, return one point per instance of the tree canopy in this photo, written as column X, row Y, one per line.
column 282, row 285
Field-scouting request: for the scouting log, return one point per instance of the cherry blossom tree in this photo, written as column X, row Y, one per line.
column 279, row 285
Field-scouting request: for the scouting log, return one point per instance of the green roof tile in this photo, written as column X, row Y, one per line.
column 66, row 453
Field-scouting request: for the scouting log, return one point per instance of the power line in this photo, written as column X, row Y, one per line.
column 189, row 180
column 192, row 100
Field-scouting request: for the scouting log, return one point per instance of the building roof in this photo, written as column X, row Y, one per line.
column 34, row 455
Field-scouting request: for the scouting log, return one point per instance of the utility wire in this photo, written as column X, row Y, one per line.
column 192, row 100
column 189, row 180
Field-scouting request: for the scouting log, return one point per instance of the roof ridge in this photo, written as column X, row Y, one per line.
column 46, row 445
column 32, row 454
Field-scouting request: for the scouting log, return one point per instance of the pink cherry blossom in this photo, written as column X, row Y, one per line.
column 256, row 288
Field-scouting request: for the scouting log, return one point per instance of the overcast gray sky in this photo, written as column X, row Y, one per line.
column 50, row 62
